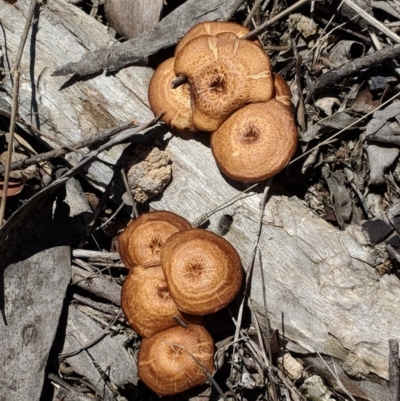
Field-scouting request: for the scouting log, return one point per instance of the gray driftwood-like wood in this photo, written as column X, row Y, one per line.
column 166, row 33
column 34, row 275
column 131, row 18
column 97, row 285
column 321, row 283
column 108, row 354
column 71, row 111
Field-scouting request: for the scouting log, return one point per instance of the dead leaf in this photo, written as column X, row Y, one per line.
column 391, row 7
column 335, row 122
column 345, row 51
column 326, row 104
column 340, row 197
column 380, row 123
column 380, row 159
column 365, row 101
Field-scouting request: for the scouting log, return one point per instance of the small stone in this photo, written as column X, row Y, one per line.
column 291, row 367
column 148, row 171
column 316, row 390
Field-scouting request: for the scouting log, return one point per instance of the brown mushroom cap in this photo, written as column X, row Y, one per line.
column 213, row 28
column 256, row 142
column 283, row 93
column 143, row 238
column 202, row 270
column 164, row 363
column 175, row 102
column 224, row 73
column 147, row 304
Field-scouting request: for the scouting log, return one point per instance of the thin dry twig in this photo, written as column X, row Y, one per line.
column 278, row 17
column 205, row 216
column 353, row 68
column 394, row 370
column 92, row 342
column 335, row 375
column 252, row 12
column 134, row 213
column 85, row 253
column 95, row 140
column 373, row 21
column 251, row 264
column 101, row 307
column 267, row 360
column 345, row 128
column 10, row 145
column 120, row 138
column 16, row 75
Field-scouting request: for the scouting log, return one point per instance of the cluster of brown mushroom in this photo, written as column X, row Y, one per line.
column 231, row 92
column 177, row 275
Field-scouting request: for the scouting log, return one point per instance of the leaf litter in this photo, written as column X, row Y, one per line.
column 352, row 178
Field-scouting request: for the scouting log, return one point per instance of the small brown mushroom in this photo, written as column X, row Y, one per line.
column 143, row 238
column 224, row 73
column 213, row 28
column 175, row 102
column 283, row 93
column 202, row 270
column 147, row 304
column 166, row 363
column 256, row 142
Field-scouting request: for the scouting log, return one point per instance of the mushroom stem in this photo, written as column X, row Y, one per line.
column 177, row 82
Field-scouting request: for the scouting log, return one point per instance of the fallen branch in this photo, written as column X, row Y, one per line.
column 353, row 68
column 52, row 154
column 166, row 33
column 16, row 75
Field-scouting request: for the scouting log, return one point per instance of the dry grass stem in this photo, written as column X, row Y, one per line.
column 373, row 21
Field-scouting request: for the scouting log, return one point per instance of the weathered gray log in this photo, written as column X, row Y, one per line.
column 97, row 285
column 131, row 18
column 109, row 355
column 70, row 111
column 34, row 275
column 322, row 282
column 166, row 33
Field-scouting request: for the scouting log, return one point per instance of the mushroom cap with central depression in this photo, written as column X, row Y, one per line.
column 224, row 73
column 202, row 270
column 147, row 304
column 166, row 361
column 143, row 238
column 256, row 142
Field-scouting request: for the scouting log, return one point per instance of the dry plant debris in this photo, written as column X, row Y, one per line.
column 341, row 64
